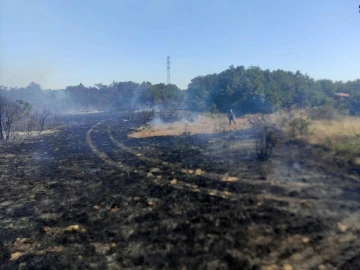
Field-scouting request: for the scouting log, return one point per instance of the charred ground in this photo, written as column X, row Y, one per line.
column 89, row 196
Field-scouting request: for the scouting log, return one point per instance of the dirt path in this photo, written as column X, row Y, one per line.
column 175, row 202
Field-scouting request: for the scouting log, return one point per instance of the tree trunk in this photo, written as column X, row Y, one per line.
column 8, row 129
column 42, row 123
column 1, row 131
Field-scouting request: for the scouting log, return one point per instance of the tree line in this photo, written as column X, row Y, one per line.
column 245, row 90
column 254, row 90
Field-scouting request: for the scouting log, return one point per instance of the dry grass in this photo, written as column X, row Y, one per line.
column 340, row 136
column 320, row 131
column 204, row 125
column 336, row 130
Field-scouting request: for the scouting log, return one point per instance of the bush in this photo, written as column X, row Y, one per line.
column 186, row 132
column 31, row 124
column 265, row 142
column 213, row 109
column 349, row 149
column 146, row 115
column 219, row 124
column 131, row 113
column 325, row 112
column 169, row 115
column 189, row 117
column 299, row 126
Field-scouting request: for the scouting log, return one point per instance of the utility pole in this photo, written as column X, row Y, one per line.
column 168, row 70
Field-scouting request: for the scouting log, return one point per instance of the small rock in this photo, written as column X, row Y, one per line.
column 154, row 170
column 322, row 267
column 72, row 228
column 270, row 267
column 22, row 244
column 136, row 199
column 113, row 245
column 96, row 207
column 16, row 255
column 230, row 179
column 199, row 172
column 149, row 174
column 46, row 229
column 55, row 249
column 342, row 227
column 150, row 203
column 114, row 209
column 22, row 240
column 191, row 171
column 305, row 240
column 288, row 267
column 138, row 155
column 173, row 182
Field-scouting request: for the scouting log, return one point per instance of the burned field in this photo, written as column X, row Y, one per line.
column 90, row 197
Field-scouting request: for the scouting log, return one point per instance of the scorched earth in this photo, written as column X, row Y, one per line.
column 89, row 197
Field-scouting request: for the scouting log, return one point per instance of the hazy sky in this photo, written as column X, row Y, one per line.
column 64, row 42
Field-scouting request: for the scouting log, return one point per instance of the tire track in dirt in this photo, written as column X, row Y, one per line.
column 105, row 157
column 178, row 185
column 214, row 176
column 306, row 203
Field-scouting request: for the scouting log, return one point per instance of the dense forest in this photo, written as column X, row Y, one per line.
column 245, row 90
column 254, row 90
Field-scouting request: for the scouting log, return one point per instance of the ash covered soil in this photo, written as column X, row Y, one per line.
column 90, row 197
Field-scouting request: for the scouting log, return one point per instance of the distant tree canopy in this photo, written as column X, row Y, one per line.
column 254, row 90
column 168, row 95
column 245, row 90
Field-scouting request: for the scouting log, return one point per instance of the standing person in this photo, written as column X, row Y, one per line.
column 231, row 117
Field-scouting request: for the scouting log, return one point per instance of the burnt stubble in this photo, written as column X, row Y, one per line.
column 90, row 197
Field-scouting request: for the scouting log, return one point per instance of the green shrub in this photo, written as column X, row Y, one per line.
column 299, row 126
column 265, row 142
column 328, row 142
column 357, row 135
column 146, row 115
column 325, row 112
column 348, row 149
column 214, row 109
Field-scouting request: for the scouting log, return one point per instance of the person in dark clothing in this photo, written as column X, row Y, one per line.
column 231, row 117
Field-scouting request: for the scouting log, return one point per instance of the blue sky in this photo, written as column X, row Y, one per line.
column 62, row 42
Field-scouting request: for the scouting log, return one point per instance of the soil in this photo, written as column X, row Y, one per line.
column 90, row 197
